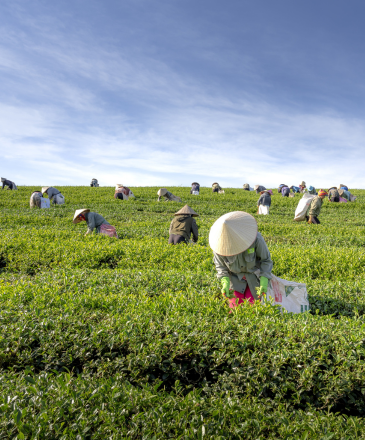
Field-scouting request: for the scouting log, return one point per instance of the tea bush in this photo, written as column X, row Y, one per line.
column 104, row 338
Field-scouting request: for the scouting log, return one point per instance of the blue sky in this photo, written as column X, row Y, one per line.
column 168, row 92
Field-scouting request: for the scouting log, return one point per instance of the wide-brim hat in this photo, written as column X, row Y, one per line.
column 162, row 192
column 77, row 213
column 186, row 210
column 332, row 187
column 119, row 185
column 215, row 183
column 44, row 189
column 3, row 179
column 256, row 187
column 341, row 185
column 265, row 191
column 303, row 183
column 233, row 233
column 195, row 183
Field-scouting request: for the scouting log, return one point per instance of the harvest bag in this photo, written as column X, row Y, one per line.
column 352, row 198
column 14, row 186
column 303, row 206
column 342, row 200
column 59, row 199
column 45, row 203
column 221, row 191
column 195, row 193
column 263, row 209
column 108, row 230
column 290, row 295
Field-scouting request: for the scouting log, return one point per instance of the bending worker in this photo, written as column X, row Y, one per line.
column 216, row 188
column 241, row 257
column 94, row 221
column 265, row 201
column 259, row 189
column 333, row 195
column 122, row 192
column 285, row 191
column 94, row 183
column 36, row 199
column 183, row 225
column 169, row 197
column 302, row 187
column 54, row 195
column 195, row 188
column 8, row 183
column 315, row 208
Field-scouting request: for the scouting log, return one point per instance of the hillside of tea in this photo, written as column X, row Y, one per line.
column 103, row 338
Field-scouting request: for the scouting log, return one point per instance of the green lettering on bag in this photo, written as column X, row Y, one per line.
column 251, row 251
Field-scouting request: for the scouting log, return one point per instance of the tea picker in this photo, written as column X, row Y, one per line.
column 258, row 188
column 315, row 207
column 302, row 187
column 54, row 195
column 94, row 221
column 94, row 183
column 333, row 194
column 285, row 191
column 38, row 201
column 10, row 185
column 241, row 257
column 169, row 197
column 264, row 202
column 122, row 192
column 195, row 188
column 183, row 226
column 216, row 188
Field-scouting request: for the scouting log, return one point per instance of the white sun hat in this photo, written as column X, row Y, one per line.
column 77, row 213
column 187, row 210
column 3, row 179
column 44, row 189
column 233, row 233
column 119, row 185
column 161, row 192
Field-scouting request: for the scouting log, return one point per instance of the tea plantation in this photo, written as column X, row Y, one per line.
column 130, row 339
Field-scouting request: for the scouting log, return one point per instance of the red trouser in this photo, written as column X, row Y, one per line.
column 240, row 297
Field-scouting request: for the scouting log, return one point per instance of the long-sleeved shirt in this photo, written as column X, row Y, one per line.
column 259, row 188
column 285, row 191
column 195, row 187
column 315, row 206
column 265, row 199
column 169, row 197
column 184, row 225
column 8, row 183
column 333, row 192
column 216, row 187
column 94, row 221
column 51, row 192
column 242, row 268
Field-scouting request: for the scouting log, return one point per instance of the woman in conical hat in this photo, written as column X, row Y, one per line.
column 241, row 257
column 169, row 197
column 216, row 188
column 8, row 183
column 195, row 188
column 54, row 195
column 94, row 221
column 183, row 226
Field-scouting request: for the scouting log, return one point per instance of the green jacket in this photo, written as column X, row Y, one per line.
column 246, row 267
column 315, row 206
column 184, row 225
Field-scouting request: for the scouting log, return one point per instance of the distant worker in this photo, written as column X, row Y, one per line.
column 169, row 197
column 342, row 186
column 216, row 188
column 285, row 191
column 36, row 199
column 264, row 202
column 195, row 188
column 122, row 192
column 54, row 195
column 94, row 221
column 183, row 225
column 246, row 187
column 315, row 208
column 10, row 185
column 302, row 187
column 259, row 188
column 94, row 183
column 241, row 257
column 281, row 186
column 333, row 194
column 295, row 189
column 312, row 190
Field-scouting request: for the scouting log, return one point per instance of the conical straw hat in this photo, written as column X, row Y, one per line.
column 77, row 213
column 187, row 210
column 3, row 179
column 119, row 185
column 256, row 187
column 233, row 233
column 44, row 189
column 162, row 192
column 303, row 183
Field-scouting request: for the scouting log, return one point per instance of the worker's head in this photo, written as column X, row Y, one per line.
column 80, row 215
column 186, row 210
column 322, row 193
column 233, row 233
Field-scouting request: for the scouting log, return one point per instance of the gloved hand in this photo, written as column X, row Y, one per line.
column 311, row 219
column 225, row 287
column 264, row 282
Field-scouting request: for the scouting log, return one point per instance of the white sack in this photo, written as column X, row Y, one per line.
column 263, row 209
column 58, row 199
column 303, row 206
column 352, row 198
column 290, row 295
column 131, row 194
column 195, row 193
column 45, row 203
column 14, row 186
